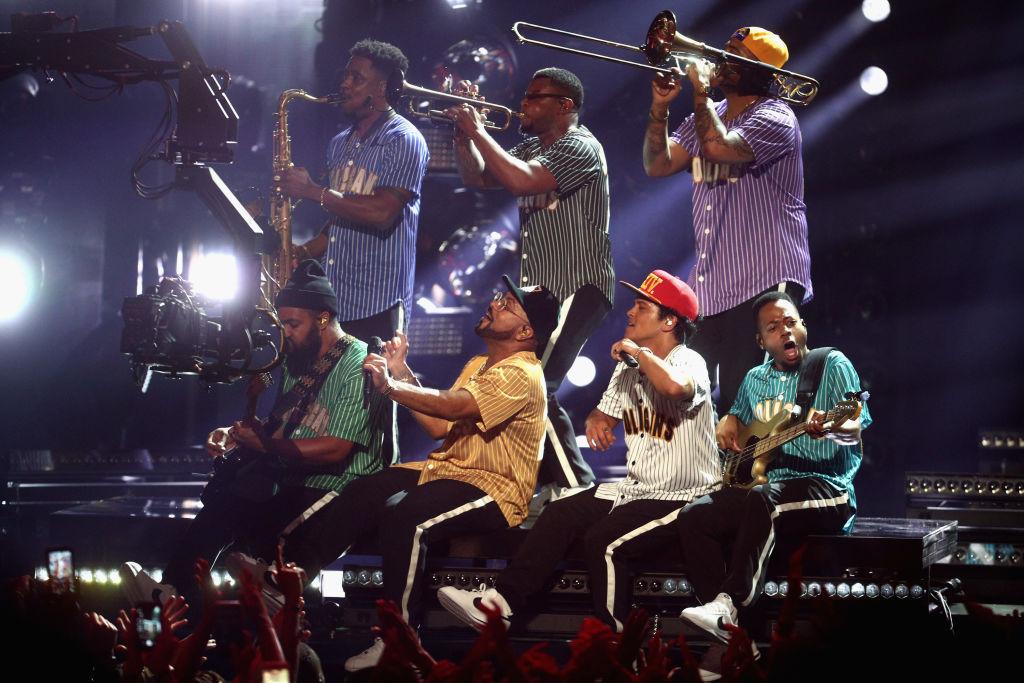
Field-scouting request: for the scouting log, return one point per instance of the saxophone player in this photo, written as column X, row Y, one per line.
column 372, row 197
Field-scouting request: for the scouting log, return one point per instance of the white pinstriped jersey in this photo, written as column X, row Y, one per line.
column 564, row 233
column 500, row 453
column 671, row 452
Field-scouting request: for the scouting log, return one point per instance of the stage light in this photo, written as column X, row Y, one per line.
column 332, row 583
column 100, row 576
column 363, row 578
column 857, row 590
column 830, row 589
column 214, row 275
column 814, row 589
column 19, row 280
column 670, row 585
column 771, row 589
column 783, row 588
column 348, row 576
column 871, row 590
column 377, row 578
column 843, row 590
column 582, row 372
column 887, row 591
column 684, row 587
column 901, row 590
column 874, row 80
column 875, row 10
column 85, row 575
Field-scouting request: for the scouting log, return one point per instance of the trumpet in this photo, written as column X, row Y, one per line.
column 427, row 98
column 664, row 44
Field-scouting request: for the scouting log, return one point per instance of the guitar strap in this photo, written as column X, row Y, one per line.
column 302, row 393
column 810, row 378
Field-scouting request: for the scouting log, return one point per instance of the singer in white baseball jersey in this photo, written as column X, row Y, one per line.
column 663, row 402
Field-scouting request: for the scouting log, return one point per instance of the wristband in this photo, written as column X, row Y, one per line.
column 388, row 388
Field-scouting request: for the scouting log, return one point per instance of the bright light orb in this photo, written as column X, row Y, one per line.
column 875, row 10
column 215, row 276
column 873, row 81
column 17, row 282
column 582, row 372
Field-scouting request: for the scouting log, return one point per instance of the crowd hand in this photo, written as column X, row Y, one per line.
column 599, row 433
column 204, row 580
column 100, row 635
column 654, row 666
column 250, row 596
column 377, row 366
column 738, row 661
column 537, row 665
column 665, row 87
column 634, row 630
column 219, row 442
column 289, row 576
column 296, row 182
column 401, row 645
column 624, row 347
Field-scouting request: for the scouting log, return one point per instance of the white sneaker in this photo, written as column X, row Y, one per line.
column 273, row 598
column 465, row 605
column 367, row 659
column 138, row 586
column 713, row 616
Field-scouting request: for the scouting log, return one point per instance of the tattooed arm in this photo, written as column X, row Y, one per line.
column 663, row 157
column 718, row 144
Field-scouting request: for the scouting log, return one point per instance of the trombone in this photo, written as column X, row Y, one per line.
column 430, row 96
column 664, row 44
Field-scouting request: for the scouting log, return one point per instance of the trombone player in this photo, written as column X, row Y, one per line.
column 749, row 216
column 559, row 177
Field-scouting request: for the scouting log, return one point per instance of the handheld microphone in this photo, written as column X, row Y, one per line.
column 629, row 360
column 375, row 346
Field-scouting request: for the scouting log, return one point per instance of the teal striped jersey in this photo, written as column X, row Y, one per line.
column 766, row 391
column 338, row 411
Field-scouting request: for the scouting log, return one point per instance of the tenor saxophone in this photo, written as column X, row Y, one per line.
column 277, row 266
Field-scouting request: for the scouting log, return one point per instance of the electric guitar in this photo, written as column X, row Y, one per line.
column 760, row 442
column 230, row 467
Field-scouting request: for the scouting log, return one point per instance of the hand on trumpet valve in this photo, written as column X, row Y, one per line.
column 468, row 120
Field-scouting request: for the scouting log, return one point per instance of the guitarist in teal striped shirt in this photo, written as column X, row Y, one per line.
column 810, row 482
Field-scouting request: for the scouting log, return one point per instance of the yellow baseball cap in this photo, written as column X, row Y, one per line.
column 766, row 46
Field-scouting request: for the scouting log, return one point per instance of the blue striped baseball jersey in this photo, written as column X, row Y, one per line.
column 749, row 220
column 372, row 270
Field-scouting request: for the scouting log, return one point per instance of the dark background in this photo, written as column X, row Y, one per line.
column 912, row 202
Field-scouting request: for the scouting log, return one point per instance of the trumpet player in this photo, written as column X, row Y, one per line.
column 560, row 179
column 371, row 199
column 749, row 216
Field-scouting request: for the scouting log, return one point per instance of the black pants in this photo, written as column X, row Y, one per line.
column 405, row 518
column 383, row 325
column 562, row 462
column 613, row 540
column 726, row 342
column 752, row 521
column 227, row 519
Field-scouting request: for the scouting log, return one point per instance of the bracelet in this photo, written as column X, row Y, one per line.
column 388, row 388
column 650, row 113
column 703, row 90
column 639, row 351
column 323, row 195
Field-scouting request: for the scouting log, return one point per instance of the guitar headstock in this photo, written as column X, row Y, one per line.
column 257, row 383
column 844, row 410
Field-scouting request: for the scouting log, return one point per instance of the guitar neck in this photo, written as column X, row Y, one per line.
column 773, row 441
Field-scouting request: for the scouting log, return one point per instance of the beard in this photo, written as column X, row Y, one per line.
column 299, row 358
column 486, row 332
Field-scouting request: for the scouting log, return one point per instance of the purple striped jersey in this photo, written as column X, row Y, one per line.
column 671, row 452
column 749, row 220
column 371, row 270
column 564, row 234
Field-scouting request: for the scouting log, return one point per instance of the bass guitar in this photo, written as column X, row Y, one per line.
column 760, row 442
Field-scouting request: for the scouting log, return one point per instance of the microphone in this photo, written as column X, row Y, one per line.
column 629, row 360
column 375, row 346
